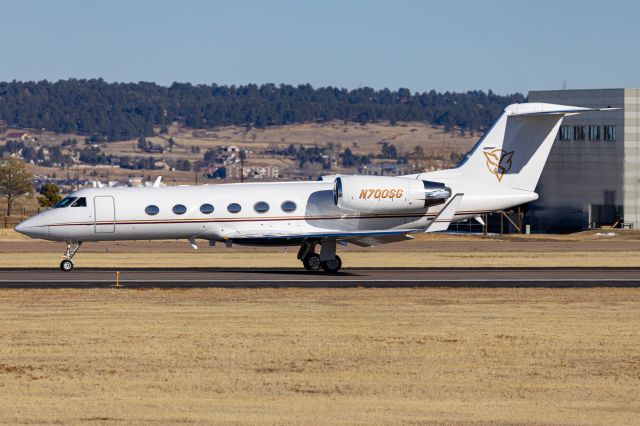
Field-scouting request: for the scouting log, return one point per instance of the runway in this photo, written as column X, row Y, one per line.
column 255, row 278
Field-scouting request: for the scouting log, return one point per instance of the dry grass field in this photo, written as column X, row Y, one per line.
column 361, row 139
column 320, row 356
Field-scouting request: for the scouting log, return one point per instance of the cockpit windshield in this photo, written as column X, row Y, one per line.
column 65, row 202
column 80, row 202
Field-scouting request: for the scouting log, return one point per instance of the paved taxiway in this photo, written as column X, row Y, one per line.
column 248, row 278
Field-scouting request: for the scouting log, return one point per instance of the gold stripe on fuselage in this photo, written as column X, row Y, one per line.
column 252, row 219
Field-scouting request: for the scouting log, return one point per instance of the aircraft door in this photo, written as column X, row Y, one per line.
column 104, row 214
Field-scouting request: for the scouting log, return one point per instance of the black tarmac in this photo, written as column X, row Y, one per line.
column 264, row 278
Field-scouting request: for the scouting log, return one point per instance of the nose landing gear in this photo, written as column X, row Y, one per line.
column 66, row 265
column 72, row 247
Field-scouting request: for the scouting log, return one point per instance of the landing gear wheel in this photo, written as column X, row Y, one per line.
column 312, row 262
column 66, row 265
column 72, row 248
column 332, row 266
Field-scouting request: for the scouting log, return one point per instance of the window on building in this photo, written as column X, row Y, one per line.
column 565, row 133
column 206, row 209
column 578, row 133
column 609, row 133
column 179, row 209
column 65, row 202
column 152, row 210
column 80, row 202
column 234, row 208
column 289, row 206
column 594, row 133
column 261, row 207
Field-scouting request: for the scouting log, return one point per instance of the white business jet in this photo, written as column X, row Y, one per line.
column 500, row 172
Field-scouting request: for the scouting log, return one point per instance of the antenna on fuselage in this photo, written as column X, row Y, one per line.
column 157, row 182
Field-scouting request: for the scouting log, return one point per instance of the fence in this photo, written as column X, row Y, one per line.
column 17, row 216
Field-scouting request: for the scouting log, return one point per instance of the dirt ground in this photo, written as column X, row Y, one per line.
column 309, row 356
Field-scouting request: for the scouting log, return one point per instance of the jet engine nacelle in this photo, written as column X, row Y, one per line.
column 384, row 194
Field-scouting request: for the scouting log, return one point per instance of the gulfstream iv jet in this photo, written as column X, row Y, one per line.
column 500, row 172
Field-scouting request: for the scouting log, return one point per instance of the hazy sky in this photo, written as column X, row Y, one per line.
column 505, row 46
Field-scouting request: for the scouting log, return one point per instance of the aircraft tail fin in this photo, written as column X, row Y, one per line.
column 513, row 152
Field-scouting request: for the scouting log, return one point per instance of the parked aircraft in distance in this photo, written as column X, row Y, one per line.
column 500, row 172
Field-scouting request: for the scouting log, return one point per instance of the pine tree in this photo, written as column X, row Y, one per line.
column 49, row 195
column 15, row 181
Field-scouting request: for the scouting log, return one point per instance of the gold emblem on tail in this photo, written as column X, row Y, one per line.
column 498, row 162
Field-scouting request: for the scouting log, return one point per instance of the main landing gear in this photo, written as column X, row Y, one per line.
column 327, row 261
column 72, row 247
column 311, row 262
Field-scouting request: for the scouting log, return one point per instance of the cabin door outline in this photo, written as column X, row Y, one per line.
column 104, row 209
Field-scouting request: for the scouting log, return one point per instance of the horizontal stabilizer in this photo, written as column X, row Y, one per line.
column 442, row 221
column 560, row 112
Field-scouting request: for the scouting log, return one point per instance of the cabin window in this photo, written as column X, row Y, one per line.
column 234, row 208
column 206, row 209
column 179, row 209
column 289, row 206
column 65, row 202
column 152, row 210
column 80, row 202
column 261, row 207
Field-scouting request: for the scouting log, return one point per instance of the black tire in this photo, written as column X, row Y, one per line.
column 332, row 266
column 66, row 265
column 312, row 262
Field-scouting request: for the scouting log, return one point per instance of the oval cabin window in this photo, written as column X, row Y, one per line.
column 152, row 210
column 206, row 209
column 261, row 207
column 179, row 209
column 234, row 208
column 288, row 206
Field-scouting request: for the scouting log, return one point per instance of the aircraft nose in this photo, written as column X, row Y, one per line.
column 21, row 228
column 28, row 228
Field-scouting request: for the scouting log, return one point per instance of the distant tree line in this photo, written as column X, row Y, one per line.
column 349, row 159
column 37, row 155
column 118, row 111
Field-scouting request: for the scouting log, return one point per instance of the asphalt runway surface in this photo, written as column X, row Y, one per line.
column 257, row 278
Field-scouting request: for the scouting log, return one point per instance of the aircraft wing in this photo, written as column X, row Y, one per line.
column 359, row 238
column 376, row 240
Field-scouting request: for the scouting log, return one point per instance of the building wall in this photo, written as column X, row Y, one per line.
column 583, row 180
column 631, row 157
